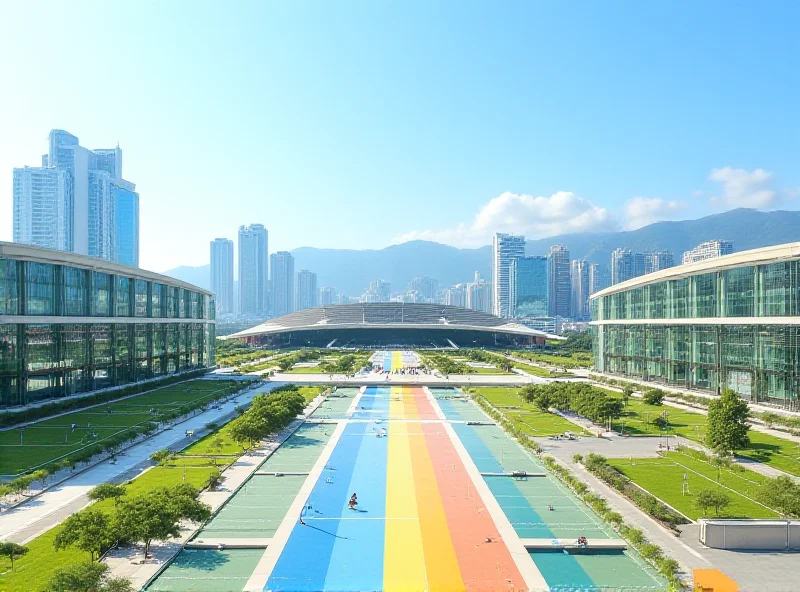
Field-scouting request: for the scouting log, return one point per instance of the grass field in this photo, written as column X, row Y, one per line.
column 663, row 477
column 50, row 439
column 526, row 417
column 639, row 419
column 581, row 360
column 32, row 571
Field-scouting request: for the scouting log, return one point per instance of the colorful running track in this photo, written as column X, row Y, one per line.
column 420, row 523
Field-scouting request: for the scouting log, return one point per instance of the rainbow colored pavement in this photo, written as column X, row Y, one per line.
column 420, row 523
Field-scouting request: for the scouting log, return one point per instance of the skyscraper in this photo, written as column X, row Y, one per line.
column 558, row 283
column 505, row 247
column 598, row 278
column 378, row 291
column 708, row 250
column 306, row 290
column 456, row 295
column 222, row 274
column 327, row 295
column 579, row 288
column 126, row 222
column 70, row 202
column 622, row 266
column 528, row 287
column 253, row 270
column 658, row 260
column 282, row 278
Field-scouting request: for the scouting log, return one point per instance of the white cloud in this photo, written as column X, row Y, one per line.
column 641, row 211
column 744, row 189
column 534, row 217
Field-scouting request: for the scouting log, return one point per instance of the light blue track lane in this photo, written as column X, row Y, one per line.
column 357, row 559
column 303, row 563
column 375, row 403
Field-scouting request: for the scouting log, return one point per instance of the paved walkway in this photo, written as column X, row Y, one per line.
column 376, row 379
column 29, row 520
column 687, row 557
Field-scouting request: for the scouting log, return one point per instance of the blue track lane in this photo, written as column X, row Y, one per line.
column 373, row 404
column 303, row 563
column 357, row 559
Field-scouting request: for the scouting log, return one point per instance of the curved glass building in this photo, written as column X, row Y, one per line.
column 72, row 324
column 728, row 322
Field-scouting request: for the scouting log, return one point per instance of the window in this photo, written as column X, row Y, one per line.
column 123, row 297
column 76, row 292
column 739, row 292
column 101, row 294
column 704, row 302
column 40, row 289
column 157, row 301
column 9, row 287
column 141, row 298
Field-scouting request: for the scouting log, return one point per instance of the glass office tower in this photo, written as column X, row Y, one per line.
column 73, row 324
column 728, row 322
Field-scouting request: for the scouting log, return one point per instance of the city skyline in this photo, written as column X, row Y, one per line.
column 665, row 147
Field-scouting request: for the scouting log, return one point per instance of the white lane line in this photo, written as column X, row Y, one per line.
column 439, row 413
column 261, row 574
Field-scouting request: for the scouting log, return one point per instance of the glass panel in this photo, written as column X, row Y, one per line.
column 40, row 289
column 9, row 287
column 656, row 300
column 101, row 294
column 739, row 292
column 76, row 292
column 156, row 301
column 679, row 299
column 123, row 296
column 122, row 349
column 142, row 333
column 776, row 292
column 40, row 347
column 141, row 298
column 704, row 302
column 172, row 302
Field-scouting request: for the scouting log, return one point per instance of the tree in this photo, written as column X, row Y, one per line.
column 782, row 495
column 654, row 396
column 711, row 498
column 90, row 530
column 161, row 456
column 156, row 515
column 107, row 491
column 216, row 445
column 87, row 577
column 12, row 551
column 727, row 424
column 41, row 476
column 627, row 392
column 248, row 429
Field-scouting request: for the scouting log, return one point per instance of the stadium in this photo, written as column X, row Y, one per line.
column 391, row 324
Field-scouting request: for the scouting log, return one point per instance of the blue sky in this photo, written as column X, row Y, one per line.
column 360, row 124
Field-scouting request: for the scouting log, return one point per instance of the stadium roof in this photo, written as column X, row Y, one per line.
column 387, row 315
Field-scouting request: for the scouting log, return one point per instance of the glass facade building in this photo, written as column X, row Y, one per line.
column 528, row 286
column 72, row 324
column 729, row 322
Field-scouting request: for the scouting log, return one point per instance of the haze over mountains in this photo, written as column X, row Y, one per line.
column 350, row 271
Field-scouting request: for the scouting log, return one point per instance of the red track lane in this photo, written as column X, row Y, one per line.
column 484, row 566
column 424, row 408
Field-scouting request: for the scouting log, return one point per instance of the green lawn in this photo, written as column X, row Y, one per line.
column 49, row 439
column 580, row 360
column 639, row 419
column 663, row 477
column 525, row 416
column 34, row 570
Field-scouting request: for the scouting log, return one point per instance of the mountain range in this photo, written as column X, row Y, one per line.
column 350, row 271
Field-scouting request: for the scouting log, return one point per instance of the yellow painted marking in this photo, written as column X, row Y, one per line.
column 441, row 562
column 409, row 406
column 396, row 405
column 403, row 556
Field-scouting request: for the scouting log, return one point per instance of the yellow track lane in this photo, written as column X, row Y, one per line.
column 403, row 558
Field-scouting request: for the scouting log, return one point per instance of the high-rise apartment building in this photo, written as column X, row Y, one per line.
column 222, row 274
column 505, row 247
column 479, row 295
column 456, row 295
column 579, row 289
column 327, row 295
column 558, row 281
column 599, row 278
column 426, row 288
column 378, row 291
column 658, row 260
column 528, row 287
column 708, row 250
column 306, row 290
column 78, row 201
column 253, row 270
column 282, row 280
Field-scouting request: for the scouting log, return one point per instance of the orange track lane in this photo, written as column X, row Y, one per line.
column 484, row 566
